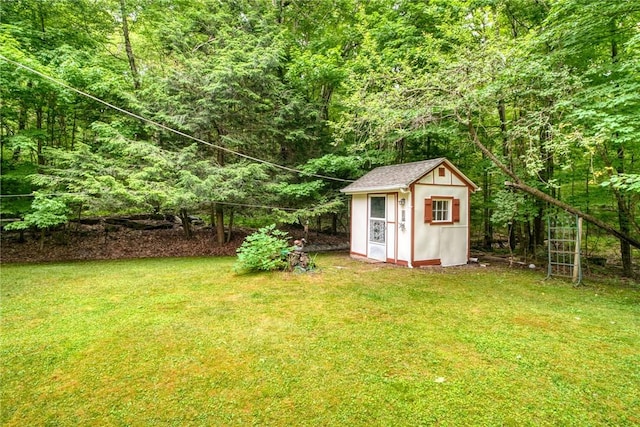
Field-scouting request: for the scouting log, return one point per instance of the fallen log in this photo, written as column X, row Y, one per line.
column 138, row 224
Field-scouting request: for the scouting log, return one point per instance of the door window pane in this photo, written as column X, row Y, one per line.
column 376, row 231
column 378, row 207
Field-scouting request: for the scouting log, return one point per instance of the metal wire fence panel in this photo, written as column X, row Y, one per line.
column 564, row 243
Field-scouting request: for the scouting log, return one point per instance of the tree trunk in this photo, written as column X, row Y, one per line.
column 400, row 148
column 127, row 46
column 42, row 232
column 51, row 118
column 538, row 227
column 22, row 124
column 39, row 153
column 513, row 235
column 230, row 232
column 529, row 248
column 623, row 206
column 219, row 224
column 623, row 220
column 325, row 93
column 78, row 218
column 73, row 130
column 334, row 223
column 219, row 209
column 486, row 185
column 186, row 223
column 625, row 247
column 212, row 216
column 280, row 4
column 502, row 114
column 486, row 210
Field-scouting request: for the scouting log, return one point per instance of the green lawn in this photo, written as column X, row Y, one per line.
column 188, row 342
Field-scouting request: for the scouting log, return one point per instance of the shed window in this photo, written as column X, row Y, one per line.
column 441, row 210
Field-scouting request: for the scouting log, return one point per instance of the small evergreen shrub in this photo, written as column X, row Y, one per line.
column 264, row 250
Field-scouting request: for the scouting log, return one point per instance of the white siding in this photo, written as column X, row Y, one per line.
column 447, row 242
column 427, row 179
column 404, row 236
column 434, row 177
column 359, row 224
column 392, row 226
column 453, row 254
column 456, row 181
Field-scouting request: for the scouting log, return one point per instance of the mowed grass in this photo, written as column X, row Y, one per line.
column 188, row 342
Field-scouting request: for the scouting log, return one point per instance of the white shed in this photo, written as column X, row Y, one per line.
column 412, row 214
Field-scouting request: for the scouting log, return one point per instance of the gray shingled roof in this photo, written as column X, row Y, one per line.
column 392, row 177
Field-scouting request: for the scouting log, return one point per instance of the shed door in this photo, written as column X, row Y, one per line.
column 377, row 245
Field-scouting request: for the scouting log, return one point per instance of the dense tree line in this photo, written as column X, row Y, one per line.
column 542, row 93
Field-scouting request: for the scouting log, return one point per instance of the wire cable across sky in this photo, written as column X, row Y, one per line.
column 167, row 128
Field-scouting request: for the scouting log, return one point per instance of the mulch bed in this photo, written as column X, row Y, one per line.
column 93, row 242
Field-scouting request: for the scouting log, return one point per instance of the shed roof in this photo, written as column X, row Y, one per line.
column 400, row 176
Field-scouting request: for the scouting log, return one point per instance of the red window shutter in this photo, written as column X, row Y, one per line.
column 456, row 210
column 428, row 210
column 441, row 171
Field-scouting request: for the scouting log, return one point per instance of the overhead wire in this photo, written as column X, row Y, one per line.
column 169, row 129
column 245, row 205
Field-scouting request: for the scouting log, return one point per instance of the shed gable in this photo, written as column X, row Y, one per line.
column 442, row 175
column 399, row 177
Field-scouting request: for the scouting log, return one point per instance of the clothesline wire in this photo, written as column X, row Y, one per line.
column 246, row 205
column 167, row 128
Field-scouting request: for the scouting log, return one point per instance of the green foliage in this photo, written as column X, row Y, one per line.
column 332, row 87
column 264, row 250
column 45, row 212
column 624, row 182
column 15, row 181
column 337, row 166
column 510, row 207
column 313, row 198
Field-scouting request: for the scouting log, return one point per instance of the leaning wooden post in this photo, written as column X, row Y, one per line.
column 576, row 258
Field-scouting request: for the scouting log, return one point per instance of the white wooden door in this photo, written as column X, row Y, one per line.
column 392, row 228
column 377, row 244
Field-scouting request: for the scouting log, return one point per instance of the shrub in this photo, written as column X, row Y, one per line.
column 264, row 250
column 45, row 213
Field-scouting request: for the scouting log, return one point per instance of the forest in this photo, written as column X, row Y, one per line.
column 259, row 111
